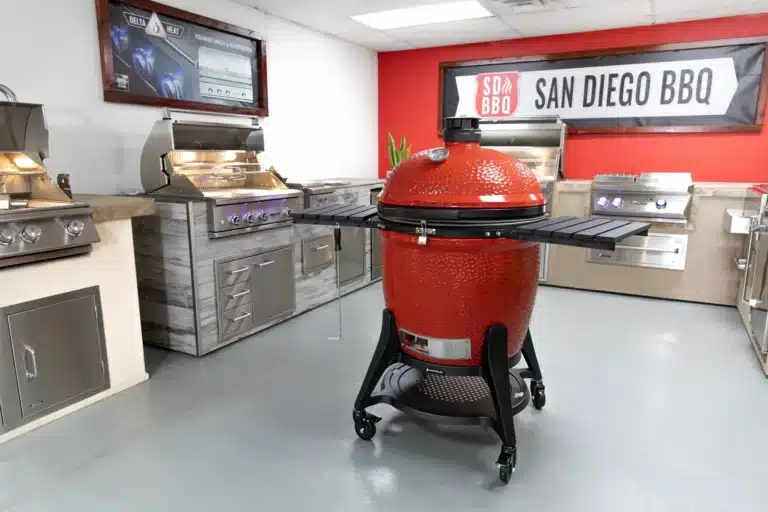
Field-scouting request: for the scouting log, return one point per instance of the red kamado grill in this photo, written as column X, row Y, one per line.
column 460, row 228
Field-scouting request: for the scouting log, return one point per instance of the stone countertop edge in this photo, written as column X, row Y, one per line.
column 111, row 208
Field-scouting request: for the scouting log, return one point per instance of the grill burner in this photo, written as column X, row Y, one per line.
column 460, row 236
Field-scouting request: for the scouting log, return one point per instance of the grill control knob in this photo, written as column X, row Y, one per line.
column 603, row 201
column 6, row 236
column 234, row 220
column 661, row 204
column 248, row 217
column 31, row 234
column 618, row 202
column 75, row 227
column 263, row 215
column 287, row 212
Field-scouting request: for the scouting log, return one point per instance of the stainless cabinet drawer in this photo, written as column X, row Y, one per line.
column 235, row 296
column 236, row 321
column 233, row 272
column 657, row 250
column 317, row 254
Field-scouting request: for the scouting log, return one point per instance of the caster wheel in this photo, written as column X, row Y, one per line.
column 365, row 429
column 505, row 473
column 538, row 395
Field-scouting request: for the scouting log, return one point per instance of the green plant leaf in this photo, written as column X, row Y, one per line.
column 402, row 145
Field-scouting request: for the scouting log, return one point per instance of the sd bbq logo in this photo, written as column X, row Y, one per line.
column 497, row 94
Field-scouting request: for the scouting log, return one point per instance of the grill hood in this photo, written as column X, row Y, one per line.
column 462, row 175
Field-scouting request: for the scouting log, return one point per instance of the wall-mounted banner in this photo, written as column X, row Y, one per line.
column 717, row 87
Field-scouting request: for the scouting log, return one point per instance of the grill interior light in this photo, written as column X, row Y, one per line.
column 424, row 15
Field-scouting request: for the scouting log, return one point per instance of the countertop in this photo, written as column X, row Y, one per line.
column 110, row 208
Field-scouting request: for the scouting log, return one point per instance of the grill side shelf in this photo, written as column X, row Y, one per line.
column 588, row 232
column 584, row 232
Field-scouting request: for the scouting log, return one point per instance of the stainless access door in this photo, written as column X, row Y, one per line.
column 58, row 351
column 755, row 290
column 352, row 255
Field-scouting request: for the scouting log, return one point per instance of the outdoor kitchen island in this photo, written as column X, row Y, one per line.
column 110, row 270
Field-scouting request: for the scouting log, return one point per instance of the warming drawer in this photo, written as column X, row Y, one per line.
column 656, row 250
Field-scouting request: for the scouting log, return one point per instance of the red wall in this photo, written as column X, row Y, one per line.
column 408, row 84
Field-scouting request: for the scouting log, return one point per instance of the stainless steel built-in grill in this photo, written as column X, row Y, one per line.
column 663, row 199
column 217, row 163
column 38, row 221
column 539, row 142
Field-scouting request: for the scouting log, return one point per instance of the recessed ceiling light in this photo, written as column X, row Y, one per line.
column 423, row 15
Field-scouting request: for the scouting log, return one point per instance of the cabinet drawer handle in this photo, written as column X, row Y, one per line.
column 238, row 295
column 238, row 271
column 33, row 359
column 241, row 317
column 320, row 248
column 266, row 263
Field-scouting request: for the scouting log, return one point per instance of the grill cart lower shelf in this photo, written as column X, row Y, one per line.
column 462, row 400
column 489, row 394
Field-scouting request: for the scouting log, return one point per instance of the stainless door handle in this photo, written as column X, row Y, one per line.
column 241, row 294
column 33, row 358
column 266, row 263
column 320, row 248
column 747, row 264
column 676, row 250
column 241, row 317
column 238, row 271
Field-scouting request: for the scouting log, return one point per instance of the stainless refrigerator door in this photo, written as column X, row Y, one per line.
column 755, row 292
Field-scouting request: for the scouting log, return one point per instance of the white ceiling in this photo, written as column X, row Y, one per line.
column 509, row 21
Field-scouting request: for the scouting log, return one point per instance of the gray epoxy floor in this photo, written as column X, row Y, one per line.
column 652, row 406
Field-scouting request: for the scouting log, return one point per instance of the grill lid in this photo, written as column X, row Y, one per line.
column 462, row 181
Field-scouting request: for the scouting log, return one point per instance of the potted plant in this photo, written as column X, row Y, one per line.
column 397, row 153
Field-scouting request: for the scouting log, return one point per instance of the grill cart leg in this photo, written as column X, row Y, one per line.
column 538, row 395
column 496, row 373
column 385, row 354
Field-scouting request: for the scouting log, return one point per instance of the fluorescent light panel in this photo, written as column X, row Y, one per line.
column 423, row 15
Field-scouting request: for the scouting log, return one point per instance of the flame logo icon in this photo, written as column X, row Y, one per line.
column 507, row 88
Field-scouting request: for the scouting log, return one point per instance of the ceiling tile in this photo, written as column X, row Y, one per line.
column 707, row 12
column 454, row 32
column 507, row 8
column 620, row 13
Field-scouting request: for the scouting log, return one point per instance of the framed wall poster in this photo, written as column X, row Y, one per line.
column 718, row 86
column 153, row 54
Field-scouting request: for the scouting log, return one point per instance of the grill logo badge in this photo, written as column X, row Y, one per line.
column 497, row 94
column 155, row 27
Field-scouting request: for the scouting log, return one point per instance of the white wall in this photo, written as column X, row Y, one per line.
column 49, row 54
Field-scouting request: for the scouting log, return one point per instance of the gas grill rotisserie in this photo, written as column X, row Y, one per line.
column 460, row 226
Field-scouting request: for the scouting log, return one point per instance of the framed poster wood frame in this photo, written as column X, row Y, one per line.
column 112, row 94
